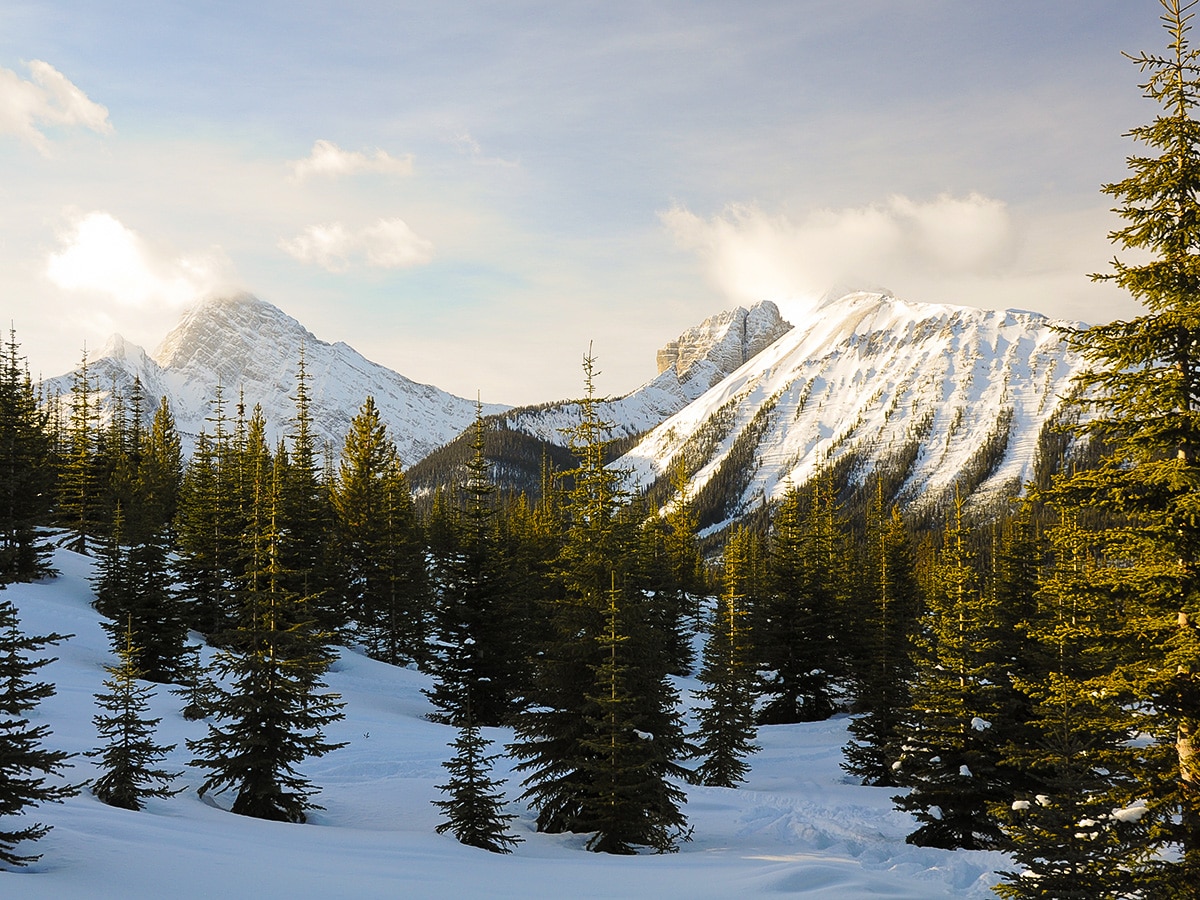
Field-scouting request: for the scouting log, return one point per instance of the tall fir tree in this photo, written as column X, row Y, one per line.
column 275, row 707
column 26, row 473
column 803, row 624
column 881, row 683
column 379, row 543
column 951, row 755
column 1142, row 390
column 477, row 626
column 726, row 722
column 1080, row 828
column 25, row 764
column 558, row 737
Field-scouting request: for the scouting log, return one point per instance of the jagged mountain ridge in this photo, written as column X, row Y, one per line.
column 698, row 359
column 952, row 394
column 252, row 348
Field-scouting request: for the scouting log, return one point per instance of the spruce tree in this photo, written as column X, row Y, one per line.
column 951, row 753
column 800, row 634
column 275, row 707
column 1080, row 828
column 26, row 475
column 1142, row 390
column 476, row 623
column 25, row 765
column 630, row 802
column 884, row 675
column 559, row 736
column 379, row 543
column 475, row 805
column 130, row 756
column 727, row 731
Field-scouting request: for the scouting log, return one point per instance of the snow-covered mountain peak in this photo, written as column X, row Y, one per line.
column 238, row 322
column 949, row 394
column 251, row 348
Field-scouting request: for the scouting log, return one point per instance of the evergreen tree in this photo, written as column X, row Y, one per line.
column 24, row 763
column 800, row 637
column 476, row 623
column 884, row 675
column 379, row 543
column 475, row 807
column 727, row 730
column 565, row 737
column 26, row 476
column 79, row 491
column 130, row 756
column 951, row 754
column 209, row 523
column 1143, row 392
column 275, row 708
column 630, row 802
column 1065, row 832
column 306, row 515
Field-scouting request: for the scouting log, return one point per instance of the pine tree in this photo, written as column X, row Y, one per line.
column 630, row 803
column 24, row 763
column 1064, row 830
column 26, row 476
column 884, row 675
column 799, row 637
column 209, row 522
column 379, row 543
column 559, row 737
column 727, row 731
column 476, row 623
column 1143, row 392
column 475, row 808
column 130, row 756
column 951, row 755
column 275, row 708
column 79, row 490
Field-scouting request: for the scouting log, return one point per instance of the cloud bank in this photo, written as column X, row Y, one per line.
column 101, row 256
column 751, row 255
column 47, row 99
column 329, row 160
column 388, row 244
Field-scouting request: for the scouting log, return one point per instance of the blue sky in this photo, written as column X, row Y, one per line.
column 471, row 192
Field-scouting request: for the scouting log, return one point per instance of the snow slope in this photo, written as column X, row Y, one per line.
column 883, row 379
column 797, row 828
column 253, row 348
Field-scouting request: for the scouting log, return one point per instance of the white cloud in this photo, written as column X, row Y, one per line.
column 751, row 255
column 330, row 160
column 101, row 256
column 388, row 244
column 48, row 99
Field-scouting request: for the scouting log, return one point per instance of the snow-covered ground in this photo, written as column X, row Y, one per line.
column 798, row 827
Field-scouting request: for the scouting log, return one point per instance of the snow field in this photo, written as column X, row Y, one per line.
column 799, row 827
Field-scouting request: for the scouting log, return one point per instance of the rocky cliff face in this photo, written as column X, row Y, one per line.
column 727, row 339
column 701, row 357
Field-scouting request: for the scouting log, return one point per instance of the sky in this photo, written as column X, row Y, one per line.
column 473, row 193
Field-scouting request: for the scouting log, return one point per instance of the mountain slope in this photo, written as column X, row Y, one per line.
column 948, row 394
column 252, row 348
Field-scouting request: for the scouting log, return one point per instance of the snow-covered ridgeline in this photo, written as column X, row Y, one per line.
column 252, row 349
column 869, row 374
